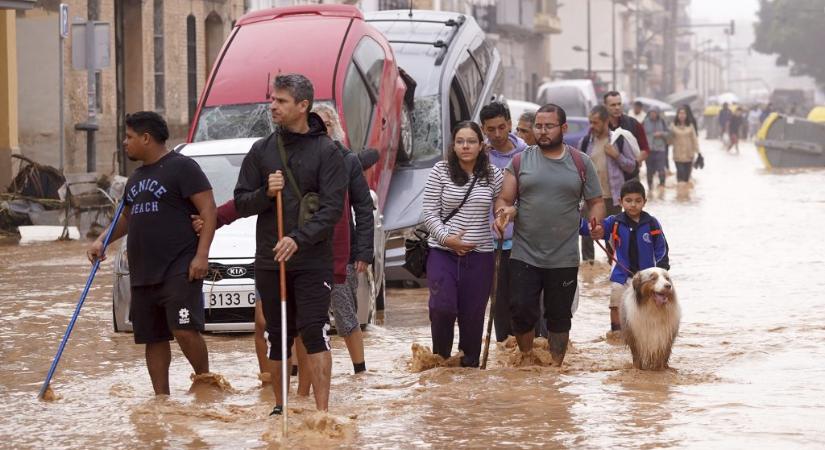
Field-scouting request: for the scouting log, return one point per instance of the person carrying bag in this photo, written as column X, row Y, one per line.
column 460, row 259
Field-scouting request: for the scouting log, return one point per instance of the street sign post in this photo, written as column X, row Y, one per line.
column 90, row 52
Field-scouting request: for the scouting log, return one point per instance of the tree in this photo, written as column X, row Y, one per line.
column 792, row 29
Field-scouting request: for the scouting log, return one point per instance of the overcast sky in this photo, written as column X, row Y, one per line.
column 724, row 10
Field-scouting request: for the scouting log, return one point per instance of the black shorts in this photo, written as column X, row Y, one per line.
column 526, row 285
column 307, row 310
column 174, row 304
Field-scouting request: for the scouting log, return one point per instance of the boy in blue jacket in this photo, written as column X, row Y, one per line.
column 638, row 241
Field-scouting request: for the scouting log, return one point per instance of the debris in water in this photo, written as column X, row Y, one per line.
column 210, row 379
column 265, row 377
column 50, row 396
column 325, row 424
column 424, row 359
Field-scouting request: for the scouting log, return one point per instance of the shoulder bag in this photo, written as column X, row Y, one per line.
column 417, row 249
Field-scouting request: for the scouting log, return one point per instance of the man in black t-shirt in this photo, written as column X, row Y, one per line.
column 317, row 166
column 167, row 260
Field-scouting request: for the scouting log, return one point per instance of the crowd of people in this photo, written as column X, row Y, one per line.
column 526, row 195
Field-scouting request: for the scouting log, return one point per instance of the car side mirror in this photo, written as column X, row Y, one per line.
column 368, row 158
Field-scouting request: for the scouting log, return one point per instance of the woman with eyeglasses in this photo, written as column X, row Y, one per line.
column 457, row 200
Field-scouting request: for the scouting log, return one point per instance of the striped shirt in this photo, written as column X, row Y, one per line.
column 442, row 196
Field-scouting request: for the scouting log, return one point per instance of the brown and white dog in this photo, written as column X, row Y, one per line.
column 650, row 317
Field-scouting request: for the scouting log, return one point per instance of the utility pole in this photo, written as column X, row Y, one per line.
column 589, row 44
column 613, row 44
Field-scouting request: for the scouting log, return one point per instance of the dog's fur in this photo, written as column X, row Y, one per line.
column 650, row 316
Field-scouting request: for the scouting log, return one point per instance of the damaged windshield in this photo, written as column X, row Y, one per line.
column 234, row 121
column 427, row 126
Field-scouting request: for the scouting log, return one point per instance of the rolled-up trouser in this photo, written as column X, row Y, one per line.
column 526, row 285
column 307, row 309
column 588, row 251
column 459, row 289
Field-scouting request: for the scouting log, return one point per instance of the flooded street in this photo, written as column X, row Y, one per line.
column 748, row 262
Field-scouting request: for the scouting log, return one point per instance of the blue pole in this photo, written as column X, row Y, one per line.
column 80, row 302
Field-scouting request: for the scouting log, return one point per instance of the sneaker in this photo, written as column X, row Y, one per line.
column 277, row 410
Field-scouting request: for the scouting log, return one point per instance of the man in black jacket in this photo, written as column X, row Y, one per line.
column 316, row 165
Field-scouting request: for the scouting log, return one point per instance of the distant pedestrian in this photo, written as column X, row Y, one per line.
column 167, row 260
column 657, row 132
column 524, row 128
column 685, row 144
column 735, row 126
column 618, row 119
column 754, row 121
column 457, row 200
column 614, row 164
column 723, row 119
column 638, row 112
column 549, row 181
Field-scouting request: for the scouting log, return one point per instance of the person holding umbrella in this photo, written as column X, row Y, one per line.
column 458, row 197
column 301, row 164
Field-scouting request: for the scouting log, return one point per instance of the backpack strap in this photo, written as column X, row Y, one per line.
column 580, row 167
column 289, row 175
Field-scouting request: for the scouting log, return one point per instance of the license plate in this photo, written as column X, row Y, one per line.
column 229, row 299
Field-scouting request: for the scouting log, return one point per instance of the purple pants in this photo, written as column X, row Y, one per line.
column 459, row 289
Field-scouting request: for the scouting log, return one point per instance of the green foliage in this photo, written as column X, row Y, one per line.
column 794, row 31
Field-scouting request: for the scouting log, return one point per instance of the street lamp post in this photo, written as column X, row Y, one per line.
column 613, row 44
column 589, row 44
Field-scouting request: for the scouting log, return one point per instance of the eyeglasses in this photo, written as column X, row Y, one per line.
column 460, row 142
column 546, row 126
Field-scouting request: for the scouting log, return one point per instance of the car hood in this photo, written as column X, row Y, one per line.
column 236, row 240
column 405, row 198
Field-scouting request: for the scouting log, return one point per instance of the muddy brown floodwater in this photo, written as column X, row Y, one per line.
column 748, row 367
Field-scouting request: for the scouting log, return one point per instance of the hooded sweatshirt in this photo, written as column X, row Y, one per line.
column 502, row 160
column 318, row 166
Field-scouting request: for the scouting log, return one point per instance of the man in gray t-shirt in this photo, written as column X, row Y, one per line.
column 548, row 187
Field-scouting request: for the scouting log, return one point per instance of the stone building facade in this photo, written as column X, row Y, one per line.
column 161, row 52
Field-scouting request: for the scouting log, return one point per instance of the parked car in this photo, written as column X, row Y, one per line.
column 576, row 97
column 229, row 290
column 577, row 128
column 456, row 71
column 351, row 66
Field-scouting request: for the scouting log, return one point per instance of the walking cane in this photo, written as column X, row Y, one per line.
column 279, row 207
column 499, row 249
column 89, row 280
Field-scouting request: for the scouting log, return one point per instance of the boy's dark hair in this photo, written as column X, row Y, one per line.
column 149, row 122
column 299, row 87
column 633, row 187
column 493, row 110
column 553, row 108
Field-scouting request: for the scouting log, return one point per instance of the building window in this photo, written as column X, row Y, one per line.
column 160, row 98
column 191, row 66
